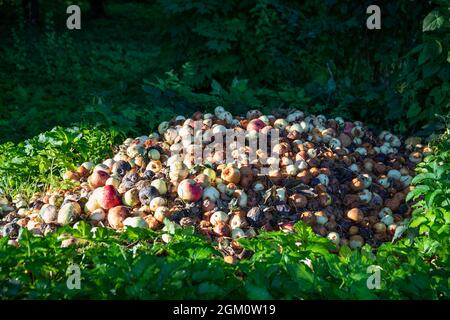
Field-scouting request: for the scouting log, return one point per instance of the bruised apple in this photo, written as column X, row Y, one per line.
column 255, row 125
column 116, row 216
column 189, row 190
column 109, row 198
column 98, row 179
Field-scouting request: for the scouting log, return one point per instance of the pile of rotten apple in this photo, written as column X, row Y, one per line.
column 346, row 183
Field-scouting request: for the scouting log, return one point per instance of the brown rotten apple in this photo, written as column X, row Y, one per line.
column 116, row 216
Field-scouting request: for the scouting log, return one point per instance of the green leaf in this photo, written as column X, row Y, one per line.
column 240, row 85
column 447, row 217
column 431, row 50
column 433, row 196
column 413, row 110
column 216, row 88
column 170, row 226
column 438, row 95
column 210, row 289
column 430, row 69
column 345, row 251
column 417, row 191
column 422, row 177
column 318, row 248
column 417, row 221
column 433, row 21
column 257, row 292
column 423, row 228
column 84, row 228
column 444, row 229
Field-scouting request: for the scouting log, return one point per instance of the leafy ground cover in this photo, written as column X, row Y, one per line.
column 288, row 54
column 137, row 264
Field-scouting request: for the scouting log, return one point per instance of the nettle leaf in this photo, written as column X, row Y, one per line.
column 320, row 248
column 447, row 217
column 216, row 88
column 431, row 50
column 430, row 198
column 444, row 229
column 210, row 289
column 433, row 21
column 240, row 85
column 256, row 292
column 345, row 252
column 417, row 191
column 438, row 95
column 430, row 69
column 422, row 177
column 84, row 229
column 417, row 222
column 413, row 110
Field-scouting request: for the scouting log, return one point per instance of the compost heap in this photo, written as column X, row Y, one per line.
column 338, row 177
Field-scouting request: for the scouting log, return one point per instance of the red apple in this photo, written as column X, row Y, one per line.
column 255, row 125
column 109, row 198
column 98, row 179
column 287, row 227
column 348, row 126
column 116, row 216
column 190, row 190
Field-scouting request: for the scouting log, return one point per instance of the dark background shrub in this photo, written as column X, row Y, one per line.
column 314, row 55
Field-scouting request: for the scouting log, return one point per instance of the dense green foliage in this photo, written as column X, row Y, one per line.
column 137, row 264
column 40, row 162
column 432, row 214
column 325, row 49
column 316, row 55
column 50, row 76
